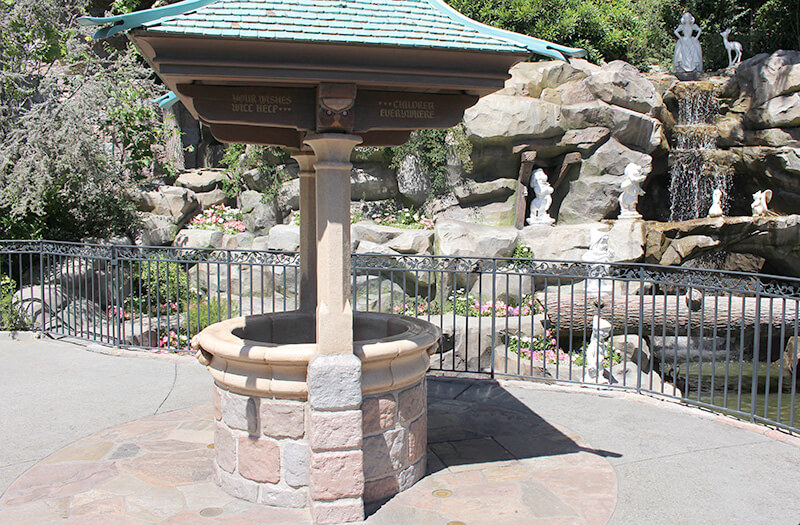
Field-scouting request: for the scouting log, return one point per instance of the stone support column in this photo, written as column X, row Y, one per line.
column 308, row 231
column 334, row 425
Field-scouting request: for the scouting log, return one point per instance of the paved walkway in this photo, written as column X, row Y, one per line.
column 124, row 439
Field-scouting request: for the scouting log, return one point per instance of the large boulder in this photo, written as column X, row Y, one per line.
column 181, row 204
column 202, row 180
column 629, row 127
column 626, row 240
column 243, row 280
column 765, row 76
column 779, row 112
column 375, row 233
column 591, row 190
column 374, row 293
column 584, row 141
column 461, row 239
column 501, row 213
column 284, row 238
column 413, row 183
column 156, row 230
column 413, row 242
column 531, row 78
column 372, row 182
column 190, row 238
column 470, row 192
column 211, row 198
column 621, row 84
column 776, row 239
column 558, row 243
column 263, row 180
column 259, row 214
column 288, row 197
column 500, row 117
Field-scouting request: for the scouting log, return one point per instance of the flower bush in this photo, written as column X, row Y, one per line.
column 174, row 341
column 468, row 306
column 220, row 218
column 405, row 218
column 540, row 348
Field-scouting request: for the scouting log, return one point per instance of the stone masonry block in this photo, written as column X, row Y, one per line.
column 240, row 412
column 341, row 511
column 335, row 430
column 217, row 395
column 237, row 486
column 411, row 475
column 277, row 496
column 281, row 419
column 411, row 402
column 384, row 454
column 378, row 413
column 260, row 459
column 380, row 489
column 336, row 475
column 295, row 463
column 225, row 447
column 334, row 382
column 417, row 438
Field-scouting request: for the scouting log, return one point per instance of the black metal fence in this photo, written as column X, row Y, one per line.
column 722, row 340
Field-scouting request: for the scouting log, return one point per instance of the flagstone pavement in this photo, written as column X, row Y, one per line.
column 498, row 454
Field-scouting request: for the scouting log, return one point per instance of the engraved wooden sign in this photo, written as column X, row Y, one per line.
column 256, row 106
column 387, row 110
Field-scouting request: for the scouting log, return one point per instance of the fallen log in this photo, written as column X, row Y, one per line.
column 670, row 314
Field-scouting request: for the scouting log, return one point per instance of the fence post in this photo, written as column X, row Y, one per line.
column 115, row 282
column 494, row 316
column 756, row 345
column 41, row 283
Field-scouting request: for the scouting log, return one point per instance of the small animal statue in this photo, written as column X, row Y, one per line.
column 543, row 200
column 760, row 201
column 633, row 177
column 733, row 48
column 716, row 204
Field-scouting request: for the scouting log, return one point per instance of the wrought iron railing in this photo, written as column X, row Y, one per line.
column 723, row 340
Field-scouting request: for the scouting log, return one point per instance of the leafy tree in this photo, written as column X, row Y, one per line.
column 76, row 125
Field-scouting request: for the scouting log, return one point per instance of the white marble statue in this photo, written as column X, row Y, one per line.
column 760, row 201
column 540, row 206
column 598, row 247
column 633, row 177
column 596, row 352
column 733, row 48
column 599, row 253
column 688, row 54
column 716, row 204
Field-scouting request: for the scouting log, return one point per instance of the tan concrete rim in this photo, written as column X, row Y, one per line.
column 267, row 369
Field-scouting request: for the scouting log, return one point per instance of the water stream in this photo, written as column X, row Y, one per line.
column 696, row 171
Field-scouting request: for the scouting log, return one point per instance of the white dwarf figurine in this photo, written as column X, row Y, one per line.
column 540, row 205
column 633, row 177
column 595, row 351
column 716, row 205
column 760, row 201
column 733, row 48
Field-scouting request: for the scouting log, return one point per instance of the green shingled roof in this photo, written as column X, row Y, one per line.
column 402, row 23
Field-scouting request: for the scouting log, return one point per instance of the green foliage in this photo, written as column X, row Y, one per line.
column 269, row 160
column 641, row 31
column 70, row 149
column 11, row 318
column 165, row 283
column 522, row 252
column 205, row 313
column 431, row 148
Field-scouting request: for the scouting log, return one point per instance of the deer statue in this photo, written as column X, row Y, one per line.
column 733, row 48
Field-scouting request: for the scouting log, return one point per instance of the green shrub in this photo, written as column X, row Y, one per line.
column 207, row 312
column 167, row 285
column 11, row 318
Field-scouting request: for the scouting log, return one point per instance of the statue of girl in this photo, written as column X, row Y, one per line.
column 688, row 54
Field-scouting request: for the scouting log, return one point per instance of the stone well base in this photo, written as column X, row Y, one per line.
column 263, row 446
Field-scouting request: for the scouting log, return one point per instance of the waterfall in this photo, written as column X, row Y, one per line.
column 695, row 171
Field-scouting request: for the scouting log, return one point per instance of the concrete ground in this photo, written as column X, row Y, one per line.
column 672, row 464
